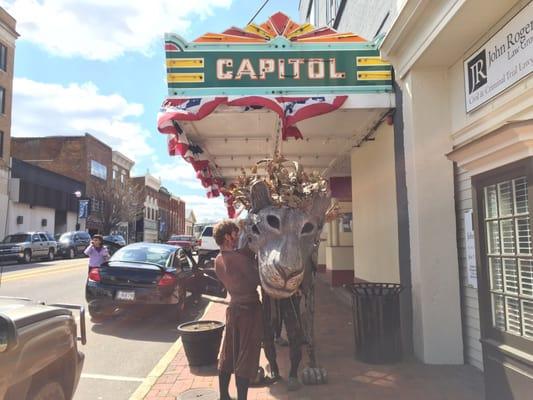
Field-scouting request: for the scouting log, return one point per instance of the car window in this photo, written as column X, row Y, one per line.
column 208, row 231
column 50, row 237
column 43, row 237
column 85, row 236
column 144, row 253
column 35, row 238
column 16, row 238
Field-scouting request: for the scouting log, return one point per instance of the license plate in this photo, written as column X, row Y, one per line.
column 122, row 295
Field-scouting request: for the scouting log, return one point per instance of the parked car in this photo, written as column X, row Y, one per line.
column 39, row 356
column 72, row 244
column 23, row 247
column 112, row 246
column 118, row 239
column 207, row 248
column 147, row 273
column 184, row 241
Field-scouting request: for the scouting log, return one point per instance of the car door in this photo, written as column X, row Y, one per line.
column 83, row 241
column 46, row 242
column 77, row 243
column 203, row 280
column 37, row 245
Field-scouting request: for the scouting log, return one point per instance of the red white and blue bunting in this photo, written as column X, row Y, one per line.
column 290, row 110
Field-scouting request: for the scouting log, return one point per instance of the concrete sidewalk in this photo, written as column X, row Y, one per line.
column 348, row 378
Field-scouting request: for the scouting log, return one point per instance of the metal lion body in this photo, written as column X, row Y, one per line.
column 286, row 243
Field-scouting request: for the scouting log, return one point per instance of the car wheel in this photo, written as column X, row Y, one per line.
column 71, row 253
column 27, row 256
column 51, row 255
column 48, row 391
column 99, row 312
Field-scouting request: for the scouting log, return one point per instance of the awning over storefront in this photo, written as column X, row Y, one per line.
column 238, row 97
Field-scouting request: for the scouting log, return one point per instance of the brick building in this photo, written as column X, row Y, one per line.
column 121, row 169
column 82, row 158
column 164, row 217
column 177, row 216
column 147, row 224
column 8, row 35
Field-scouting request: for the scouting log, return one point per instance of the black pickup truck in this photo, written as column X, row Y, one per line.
column 39, row 357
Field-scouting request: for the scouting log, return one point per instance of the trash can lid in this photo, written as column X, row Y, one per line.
column 200, row 326
column 375, row 289
column 198, row 394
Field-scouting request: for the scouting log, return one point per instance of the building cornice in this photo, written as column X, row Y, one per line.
column 511, row 142
column 122, row 160
column 415, row 28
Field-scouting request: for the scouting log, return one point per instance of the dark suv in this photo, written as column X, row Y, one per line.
column 72, row 244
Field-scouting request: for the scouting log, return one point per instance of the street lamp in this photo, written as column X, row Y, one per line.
column 77, row 193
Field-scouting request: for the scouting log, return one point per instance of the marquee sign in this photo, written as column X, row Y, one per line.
column 293, row 70
column 279, row 57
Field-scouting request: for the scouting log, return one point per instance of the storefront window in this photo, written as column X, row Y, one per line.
column 510, row 260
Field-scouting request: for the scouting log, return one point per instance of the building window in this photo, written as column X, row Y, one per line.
column 114, row 174
column 98, row 170
column 1, row 144
column 332, row 7
column 2, row 100
column 313, row 14
column 3, row 57
column 509, row 256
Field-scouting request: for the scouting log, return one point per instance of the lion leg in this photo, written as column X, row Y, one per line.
column 313, row 374
column 291, row 317
column 268, row 338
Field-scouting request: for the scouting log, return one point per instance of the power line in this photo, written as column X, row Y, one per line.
column 258, row 11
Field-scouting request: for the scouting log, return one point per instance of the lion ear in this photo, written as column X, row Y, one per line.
column 260, row 196
column 321, row 203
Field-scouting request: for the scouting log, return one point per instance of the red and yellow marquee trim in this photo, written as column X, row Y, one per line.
column 279, row 25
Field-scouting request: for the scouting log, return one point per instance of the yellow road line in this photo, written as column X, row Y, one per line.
column 48, row 271
column 161, row 366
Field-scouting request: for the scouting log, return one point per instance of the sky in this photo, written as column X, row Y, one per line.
column 97, row 66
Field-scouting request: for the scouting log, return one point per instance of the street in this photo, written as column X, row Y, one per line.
column 119, row 353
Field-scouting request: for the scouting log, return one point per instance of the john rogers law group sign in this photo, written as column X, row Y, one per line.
column 506, row 58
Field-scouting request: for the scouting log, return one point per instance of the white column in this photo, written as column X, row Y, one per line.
column 437, row 332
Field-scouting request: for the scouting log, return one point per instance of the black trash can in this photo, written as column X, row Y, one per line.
column 376, row 320
column 201, row 341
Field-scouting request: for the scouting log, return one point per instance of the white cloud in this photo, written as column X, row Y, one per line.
column 42, row 109
column 103, row 29
column 206, row 210
column 177, row 171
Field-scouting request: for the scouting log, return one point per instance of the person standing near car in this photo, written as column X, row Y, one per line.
column 237, row 270
column 97, row 253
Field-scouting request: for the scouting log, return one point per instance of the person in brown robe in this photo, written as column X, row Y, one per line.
column 237, row 270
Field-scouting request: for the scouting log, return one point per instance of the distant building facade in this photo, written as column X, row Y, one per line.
column 8, row 36
column 82, row 158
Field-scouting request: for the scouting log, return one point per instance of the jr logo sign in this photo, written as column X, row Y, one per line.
column 477, row 72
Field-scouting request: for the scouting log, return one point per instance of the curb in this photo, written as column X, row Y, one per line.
column 161, row 366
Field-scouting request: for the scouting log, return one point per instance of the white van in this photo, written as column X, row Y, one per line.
column 207, row 248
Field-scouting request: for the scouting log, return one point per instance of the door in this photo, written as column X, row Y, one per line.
column 197, row 279
column 37, row 246
column 504, row 204
column 46, row 243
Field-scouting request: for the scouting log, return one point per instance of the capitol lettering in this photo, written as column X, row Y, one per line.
column 292, row 68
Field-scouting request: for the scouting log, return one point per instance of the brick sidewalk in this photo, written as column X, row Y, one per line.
column 348, row 378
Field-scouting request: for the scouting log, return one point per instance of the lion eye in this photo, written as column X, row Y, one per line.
column 273, row 221
column 308, row 228
column 255, row 229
